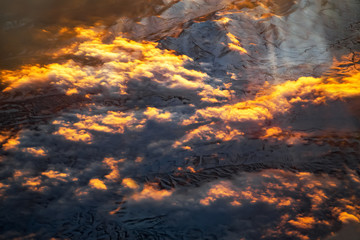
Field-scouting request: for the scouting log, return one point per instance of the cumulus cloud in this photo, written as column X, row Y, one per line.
column 278, row 99
column 123, row 66
column 38, row 28
column 254, row 196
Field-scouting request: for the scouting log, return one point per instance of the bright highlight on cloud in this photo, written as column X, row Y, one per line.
column 279, row 99
column 113, row 69
column 149, row 192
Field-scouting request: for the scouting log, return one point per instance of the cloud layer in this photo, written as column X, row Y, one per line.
column 116, row 138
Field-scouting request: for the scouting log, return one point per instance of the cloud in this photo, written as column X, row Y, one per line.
column 149, row 145
column 149, row 192
column 130, row 183
column 98, row 184
column 253, row 199
column 207, row 133
column 124, row 66
column 280, row 98
column 38, row 28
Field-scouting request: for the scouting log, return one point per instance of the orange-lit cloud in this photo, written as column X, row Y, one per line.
column 91, row 123
column 303, row 222
column 118, row 121
column 288, row 136
column 55, row 174
column 347, row 217
column 157, row 114
column 130, row 183
column 3, row 188
column 74, row 134
column 139, row 159
column 111, row 122
column 125, row 73
column 347, row 210
column 37, row 152
column 113, row 66
column 97, row 184
column 270, row 101
column 11, row 143
column 270, row 132
column 3, row 136
column 286, row 190
column 238, row 196
column 123, row 60
column 277, row 188
column 297, row 234
column 210, row 132
column 33, row 183
column 279, row 99
column 151, row 192
column 113, row 164
column 221, row 190
column 190, row 169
